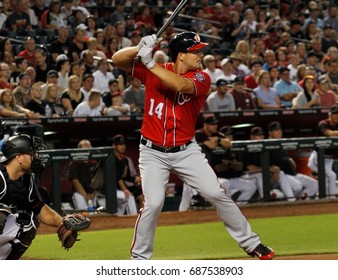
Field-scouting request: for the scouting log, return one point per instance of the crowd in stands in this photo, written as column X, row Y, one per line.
column 267, row 54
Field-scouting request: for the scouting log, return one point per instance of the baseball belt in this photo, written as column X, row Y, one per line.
column 162, row 149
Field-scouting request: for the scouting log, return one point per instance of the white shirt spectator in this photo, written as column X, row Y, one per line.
column 83, row 110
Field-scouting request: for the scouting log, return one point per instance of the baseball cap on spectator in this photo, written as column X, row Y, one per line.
column 210, row 120
column 283, row 69
column 334, row 109
column 129, row 16
column 221, row 82
column 119, row 139
column 274, row 126
column 139, row 24
column 226, row 130
column 322, row 79
column 81, row 26
column 61, row 58
column 311, row 54
column 52, row 73
column 238, row 81
column 257, row 130
column 235, row 56
column 164, row 44
column 225, row 61
column 87, row 75
column 135, row 33
column 257, row 62
column 327, row 26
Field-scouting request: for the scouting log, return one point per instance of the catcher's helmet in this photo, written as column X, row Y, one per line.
column 184, row 42
column 25, row 144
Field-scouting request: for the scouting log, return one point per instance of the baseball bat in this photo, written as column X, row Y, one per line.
column 170, row 19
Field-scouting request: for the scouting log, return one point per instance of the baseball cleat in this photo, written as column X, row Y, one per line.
column 263, row 252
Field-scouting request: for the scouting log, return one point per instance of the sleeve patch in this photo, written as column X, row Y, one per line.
column 199, row 76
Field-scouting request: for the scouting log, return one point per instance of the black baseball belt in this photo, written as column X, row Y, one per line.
column 162, row 149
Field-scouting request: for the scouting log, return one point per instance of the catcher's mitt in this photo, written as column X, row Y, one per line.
column 69, row 227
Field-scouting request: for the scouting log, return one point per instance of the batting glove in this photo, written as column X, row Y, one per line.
column 150, row 41
column 146, row 55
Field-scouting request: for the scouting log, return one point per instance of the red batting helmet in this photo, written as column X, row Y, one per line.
column 184, row 42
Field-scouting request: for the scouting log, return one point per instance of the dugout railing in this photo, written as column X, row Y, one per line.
column 105, row 154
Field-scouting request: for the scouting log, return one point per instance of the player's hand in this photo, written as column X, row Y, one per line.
column 149, row 41
column 146, row 55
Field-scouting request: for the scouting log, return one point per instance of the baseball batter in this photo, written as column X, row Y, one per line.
column 175, row 94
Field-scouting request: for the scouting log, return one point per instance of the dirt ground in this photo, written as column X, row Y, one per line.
column 251, row 211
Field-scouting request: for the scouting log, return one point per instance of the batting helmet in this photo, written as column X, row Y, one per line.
column 184, row 42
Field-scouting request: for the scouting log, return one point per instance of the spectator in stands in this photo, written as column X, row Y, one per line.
column 78, row 44
column 251, row 80
column 220, row 100
column 36, row 104
column 101, row 42
column 29, row 51
column 209, row 63
column 3, row 15
column 135, row 38
column 302, row 185
column 77, row 68
column 91, row 26
column 287, row 90
column 120, row 31
column 332, row 74
column 274, row 75
column 50, row 97
column 233, row 31
column 266, row 96
column 112, row 47
column 243, row 99
column 296, row 29
column 226, row 65
column 272, row 39
column 87, row 85
column 114, row 87
column 8, row 58
column 72, row 96
column 280, row 186
column 301, row 50
column 293, row 65
column 52, row 77
column 119, row 14
column 332, row 16
column 118, row 108
column 90, row 63
column 249, row 24
column 126, row 176
column 270, row 59
column 161, row 57
column 42, row 67
column 327, row 40
column 281, row 59
column 102, row 75
column 21, row 66
column 313, row 17
column 327, row 97
column 22, row 91
column 238, row 67
column 63, row 68
column 300, row 72
column 242, row 51
column 38, row 8
column 62, row 44
column 32, row 73
column 18, row 21
column 311, row 31
column 5, row 47
column 80, row 175
column 5, row 74
column 327, row 128
column 144, row 15
column 308, row 97
column 53, row 17
column 9, row 108
column 91, row 107
column 92, row 46
column 129, row 25
column 332, row 53
column 134, row 96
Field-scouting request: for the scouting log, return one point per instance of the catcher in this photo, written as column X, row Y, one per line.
column 21, row 209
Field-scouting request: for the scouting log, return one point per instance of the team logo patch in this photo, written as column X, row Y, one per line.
column 199, row 77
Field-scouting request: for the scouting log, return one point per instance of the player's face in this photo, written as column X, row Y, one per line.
column 193, row 59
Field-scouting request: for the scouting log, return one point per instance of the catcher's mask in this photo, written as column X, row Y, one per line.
column 26, row 144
